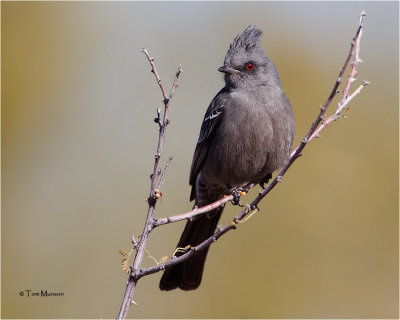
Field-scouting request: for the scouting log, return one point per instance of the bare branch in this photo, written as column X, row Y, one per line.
column 328, row 120
column 154, row 193
column 354, row 52
column 355, row 47
column 195, row 212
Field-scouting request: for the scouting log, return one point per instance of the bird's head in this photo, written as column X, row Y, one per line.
column 245, row 63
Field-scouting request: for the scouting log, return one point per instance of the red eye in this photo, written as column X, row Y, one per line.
column 250, row 66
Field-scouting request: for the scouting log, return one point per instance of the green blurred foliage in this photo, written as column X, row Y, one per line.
column 78, row 143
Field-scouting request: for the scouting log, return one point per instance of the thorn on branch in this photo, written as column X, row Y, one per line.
column 158, row 118
column 134, row 242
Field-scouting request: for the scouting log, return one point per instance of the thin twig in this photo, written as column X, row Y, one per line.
column 175, row 83
column 154, row 70
column 197, row 211
column 354, row 51
column 161, row 182
column 193, row 213
column 153, row 197
column 328, row 120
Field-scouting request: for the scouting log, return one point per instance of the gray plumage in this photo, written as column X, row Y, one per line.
column 247, row 134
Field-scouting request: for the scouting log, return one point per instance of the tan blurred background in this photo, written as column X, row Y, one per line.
column 78, row 141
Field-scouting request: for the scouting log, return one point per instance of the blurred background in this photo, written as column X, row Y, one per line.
column 78, row 141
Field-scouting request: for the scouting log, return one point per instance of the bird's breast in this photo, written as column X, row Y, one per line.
column 251, row 140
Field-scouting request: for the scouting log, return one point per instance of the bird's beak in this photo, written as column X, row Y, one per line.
column 225, row 69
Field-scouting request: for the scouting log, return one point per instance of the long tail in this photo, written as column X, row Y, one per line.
column 187, row 275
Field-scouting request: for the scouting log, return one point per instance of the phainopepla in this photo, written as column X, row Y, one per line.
column 246, row 135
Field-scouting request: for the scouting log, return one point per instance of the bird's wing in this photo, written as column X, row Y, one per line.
column 212, row 118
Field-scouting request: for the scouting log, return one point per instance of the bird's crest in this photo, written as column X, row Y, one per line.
column 248, row 40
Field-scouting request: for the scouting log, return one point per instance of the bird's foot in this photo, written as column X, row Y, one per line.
column 237, row 193
column 265, row 180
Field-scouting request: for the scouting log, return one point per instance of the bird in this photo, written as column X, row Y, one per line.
column 247, row 133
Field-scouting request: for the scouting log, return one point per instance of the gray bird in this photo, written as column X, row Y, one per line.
column 247, row 134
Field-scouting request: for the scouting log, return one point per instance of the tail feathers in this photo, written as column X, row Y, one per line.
column 187, row 275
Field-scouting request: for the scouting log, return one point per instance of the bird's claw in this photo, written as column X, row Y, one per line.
column 237, row 193
column 265, row 180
